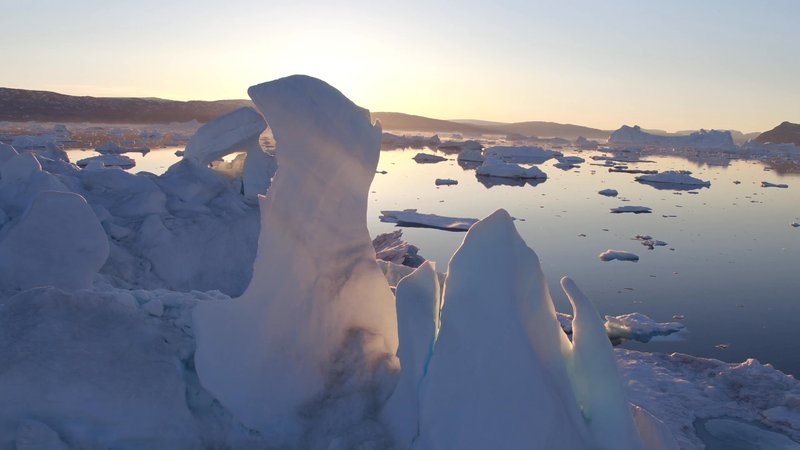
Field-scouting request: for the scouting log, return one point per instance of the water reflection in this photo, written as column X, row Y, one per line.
column 491, row 182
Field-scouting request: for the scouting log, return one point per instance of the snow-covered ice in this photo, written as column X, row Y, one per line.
column 494, row 167
column 631, row 209
column 410, row 217
column 618, row 255
column 315, row 279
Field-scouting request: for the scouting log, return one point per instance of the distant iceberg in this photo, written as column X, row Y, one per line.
column 703, row 139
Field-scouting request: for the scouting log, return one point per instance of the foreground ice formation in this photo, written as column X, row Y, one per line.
column 58, row 242
column 315, row 277
column 502, row 374
column 410, row 217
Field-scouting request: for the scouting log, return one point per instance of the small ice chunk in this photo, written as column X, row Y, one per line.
column 638, row 327
column 425, row 158
column 470, row 154
column 110, row 160
column 631, row 209
column 494, row 167
column 619, row 255
column 445, row 182
column 767, row 184
column 410, row 217
column 608, row 192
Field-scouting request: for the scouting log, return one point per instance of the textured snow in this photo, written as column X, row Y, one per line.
column 315, row 279
column 632, row 209
column 619, row 255
column 675, row 177
column 494, row 167
column 522, row 155
column 410, row 217
column 58, row 242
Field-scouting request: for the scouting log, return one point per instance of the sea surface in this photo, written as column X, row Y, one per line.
column 730, row 270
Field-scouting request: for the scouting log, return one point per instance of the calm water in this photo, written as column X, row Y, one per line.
column 731, row 266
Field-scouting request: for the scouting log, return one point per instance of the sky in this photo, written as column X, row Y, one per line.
column 672, row 65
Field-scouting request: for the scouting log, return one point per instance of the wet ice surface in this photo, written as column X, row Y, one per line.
column 732, row 271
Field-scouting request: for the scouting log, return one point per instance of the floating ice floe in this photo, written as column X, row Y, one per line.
column 619, row 255
column 633, row 326
column 671, row 179
column 494, row 167
column 767, row 184
column 631, row 209
column 445, row 182
column 116, row 149
column 427, row 158
column 608, row 192
column 410, row 217
column 521, row 155
column 649, row 242
column 109, row 160
column 638, row 327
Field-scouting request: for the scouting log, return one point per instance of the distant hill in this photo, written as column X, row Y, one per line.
column 21, row 105
column 785, row 133
column 406, row 122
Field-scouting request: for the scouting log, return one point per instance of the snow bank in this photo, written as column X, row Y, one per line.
column 57, row 242
column 410, row 217
column 315, row 282
column 494, row 167
column 619, row 255
column 522, row 155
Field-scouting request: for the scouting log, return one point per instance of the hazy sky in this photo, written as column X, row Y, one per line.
column 662, row 64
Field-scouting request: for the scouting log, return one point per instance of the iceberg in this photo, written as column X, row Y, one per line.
column 673, row 178
column 237, row 130
column 767, row 184
column 426, row 158
column 494, row 167
column 703, row 139
column 522, row 155
column 110, row 160
column 315, row 279
column 410, row 217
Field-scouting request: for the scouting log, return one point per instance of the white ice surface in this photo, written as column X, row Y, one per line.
column 494, row 167
column 410, row 217
column 316, row 280
column 638, row 327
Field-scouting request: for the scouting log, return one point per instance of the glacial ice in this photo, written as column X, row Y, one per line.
column 58, row 241
column 224, row 135
column 470, row 154
column 410, row 217
column 673, row 177
column 494, row 167
column 315, row 276
column 426, row 158
column 713, row 139
column 109, row 160
column 638, row 327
